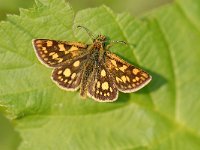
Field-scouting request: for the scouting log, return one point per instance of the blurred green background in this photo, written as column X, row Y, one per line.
column 136, row 7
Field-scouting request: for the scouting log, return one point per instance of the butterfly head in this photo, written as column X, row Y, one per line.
column 99, row 41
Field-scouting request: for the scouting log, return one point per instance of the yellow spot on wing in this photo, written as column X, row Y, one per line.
column 50, row 54
column 44, row 48
column 123, row 79
column 114, row 63
column 111, row 89
column 39, row 45
column 135, row 71
column 98, row 84
column 76, row 63
column 78, row 44
column 60, row 71
column 61, row 47
column 60, row 60
column 38, row 42
column 73, row 75
column 127, row 78
column 137, row 78
column 123, row 68
column 73, row 48
column 103, row 73
column 49, row 43
column 67, row 72
column 54, row 56
column 144, row 75
column 105, row 86
column 118, row 80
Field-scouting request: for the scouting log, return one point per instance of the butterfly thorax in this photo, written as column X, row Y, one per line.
column 99, row 47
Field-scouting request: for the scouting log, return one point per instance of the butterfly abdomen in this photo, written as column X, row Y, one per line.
column 88, row 69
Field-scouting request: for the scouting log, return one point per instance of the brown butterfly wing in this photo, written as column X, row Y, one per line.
column 127, row 77
column 69, row 75
column 101, row 86
column 52, row 53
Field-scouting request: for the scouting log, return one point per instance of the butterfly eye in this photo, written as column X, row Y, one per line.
column 103, row 37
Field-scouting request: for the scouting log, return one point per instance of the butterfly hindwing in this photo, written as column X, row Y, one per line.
column 101, row 86
column 52, row 53
column 69, row 75
column 127, row 77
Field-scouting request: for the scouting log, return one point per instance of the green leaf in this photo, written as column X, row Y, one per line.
column 9, row 138
column 163, row 115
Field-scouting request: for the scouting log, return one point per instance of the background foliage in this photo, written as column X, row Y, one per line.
column 136, row 7
column 163, row 115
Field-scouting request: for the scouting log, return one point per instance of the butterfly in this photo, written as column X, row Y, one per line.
column 92, row 68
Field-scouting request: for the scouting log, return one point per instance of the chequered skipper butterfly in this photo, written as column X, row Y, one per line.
column 98, row 73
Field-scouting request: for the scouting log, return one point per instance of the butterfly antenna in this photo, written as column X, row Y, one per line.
column 122, row 42
column 91, row 35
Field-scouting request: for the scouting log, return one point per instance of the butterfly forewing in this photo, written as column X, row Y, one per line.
column 52, row 53
column 101, row 86
column 69, row 75
column 127, row 77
